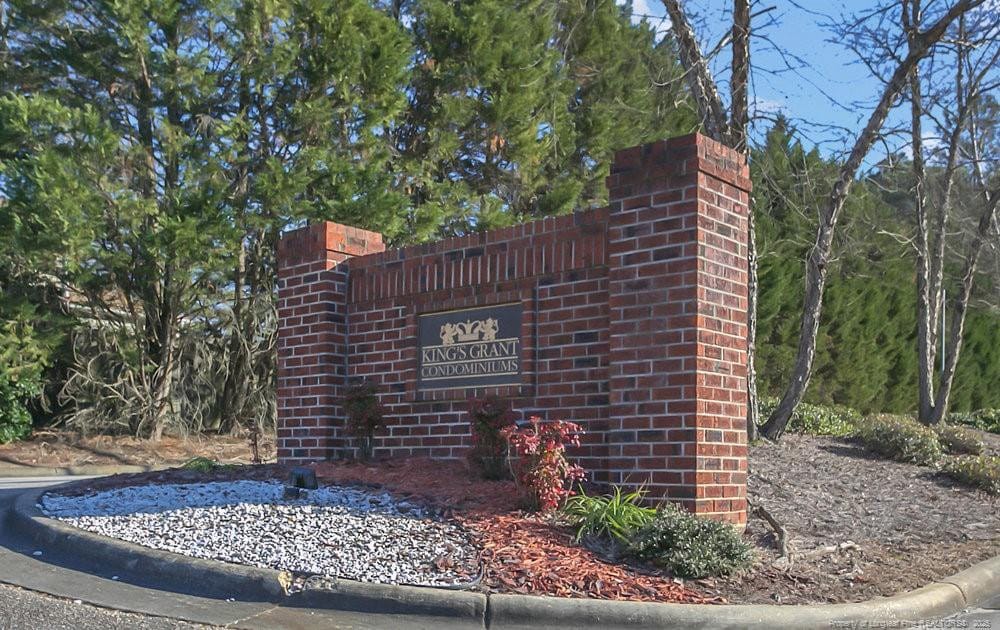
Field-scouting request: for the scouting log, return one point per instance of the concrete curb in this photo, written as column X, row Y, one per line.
column 513, row 612
column 221, row 580
column 951, row 595
column 80, row 471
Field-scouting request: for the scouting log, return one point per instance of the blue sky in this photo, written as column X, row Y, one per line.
column 829, row 95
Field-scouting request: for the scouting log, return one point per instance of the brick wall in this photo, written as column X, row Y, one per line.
column 678, row 296
column 634, row 325
column 312, row 336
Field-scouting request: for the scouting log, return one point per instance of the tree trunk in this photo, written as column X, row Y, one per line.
column 163, row 376
column 817, row 265
column 740, row 120
column 740, row 117
column 925, row 318
column 233, row 397
column 753, row 402
column 961, row 309
column 986, row 223
column 930, row 264
column 706, row 95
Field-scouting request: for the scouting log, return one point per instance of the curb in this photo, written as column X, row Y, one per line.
column 516, row 612
column 82, row 471
column 221, row 580
column 941, row 598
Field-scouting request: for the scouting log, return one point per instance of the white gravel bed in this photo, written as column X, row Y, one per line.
column 333, row 531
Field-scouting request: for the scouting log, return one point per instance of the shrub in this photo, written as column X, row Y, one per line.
column 542, row 470
column 689, row 546
column 833, row 420
column 615, row 516
column 981, row 471
column 365, row 415
column 959, row 440
column 984, row 419
column 900, row 438
column 23, row 357
column 988, row 420
column 204, row 465
column 15, row 420
column 489, row 416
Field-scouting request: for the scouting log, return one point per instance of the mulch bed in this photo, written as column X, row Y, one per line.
column 859, row 527
column 521, row 553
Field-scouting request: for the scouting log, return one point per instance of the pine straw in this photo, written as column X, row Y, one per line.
column 521, row 553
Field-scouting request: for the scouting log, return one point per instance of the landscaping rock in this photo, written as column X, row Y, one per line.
column 332, row 531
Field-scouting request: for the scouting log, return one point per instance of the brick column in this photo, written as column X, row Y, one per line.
column 677, row 245
column 312, row 337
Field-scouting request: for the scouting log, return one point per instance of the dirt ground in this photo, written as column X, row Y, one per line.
column 991, row 440
column 58, row 449
column 858, row 527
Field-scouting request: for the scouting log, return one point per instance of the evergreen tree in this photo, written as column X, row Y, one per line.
column 517, row 107
column 164, row 140
column 153, row 152
column 866, row 353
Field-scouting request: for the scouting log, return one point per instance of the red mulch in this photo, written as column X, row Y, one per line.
column 521, row 553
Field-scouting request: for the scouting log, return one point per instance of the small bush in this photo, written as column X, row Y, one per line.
column 959, row 440
column 988, row 420
column 835, row 420
column 984, row 419
column 489, row 416
column 982, row 471
column 900, row 438
column 15, row 420
column 543, row 472
column 616, row 516
column 204, row 465
column 832, row 420
column 365, row 415
column 23, row 357
column 689, row 546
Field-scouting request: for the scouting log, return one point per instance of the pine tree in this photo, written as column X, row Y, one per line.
column 168, row 141
column 517, row 107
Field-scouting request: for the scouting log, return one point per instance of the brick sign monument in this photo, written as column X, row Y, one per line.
column 629, row 320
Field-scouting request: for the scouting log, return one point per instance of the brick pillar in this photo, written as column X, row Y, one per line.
column 312, row 336
column 677, row 245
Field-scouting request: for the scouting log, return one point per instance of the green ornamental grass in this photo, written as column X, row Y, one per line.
column 616, row 516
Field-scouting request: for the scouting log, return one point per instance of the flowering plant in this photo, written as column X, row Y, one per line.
column 489, row 416
column 542, row 470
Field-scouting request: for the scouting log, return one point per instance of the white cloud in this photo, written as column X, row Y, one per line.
column 653, row 13
column 768, row 106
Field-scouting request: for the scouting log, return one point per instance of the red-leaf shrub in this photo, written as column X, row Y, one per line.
column 489, row 416
column 365, row 415
column 543, row 472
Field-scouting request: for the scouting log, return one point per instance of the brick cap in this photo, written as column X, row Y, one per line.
column 690, row 153
column 314, row 241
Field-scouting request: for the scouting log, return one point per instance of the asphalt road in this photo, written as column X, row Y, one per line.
column 28, row 610
column 22, row 609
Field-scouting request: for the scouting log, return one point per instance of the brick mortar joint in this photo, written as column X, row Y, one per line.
column 725, row 175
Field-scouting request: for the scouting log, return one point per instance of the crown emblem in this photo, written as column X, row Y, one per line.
column 469, row 330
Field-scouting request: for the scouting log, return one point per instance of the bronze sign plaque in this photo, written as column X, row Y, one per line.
column 470, row 348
